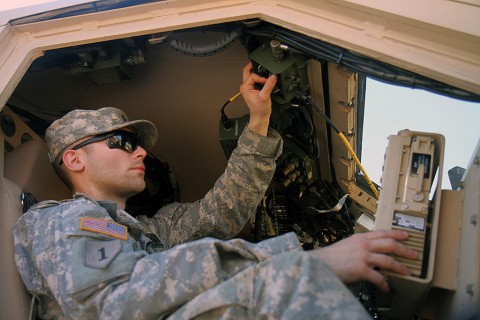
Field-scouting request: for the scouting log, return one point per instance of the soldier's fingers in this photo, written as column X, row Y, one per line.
column 268, row 86
column 385, row 262
column 249, row 83
column 377, row 279
column 394, row 234
column 247, row 70
column 388, row 245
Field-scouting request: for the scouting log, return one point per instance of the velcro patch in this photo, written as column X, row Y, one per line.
column 105, row 227
column 99, row 254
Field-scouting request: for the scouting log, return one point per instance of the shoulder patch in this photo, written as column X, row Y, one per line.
column 99, row 254
column 105, row 227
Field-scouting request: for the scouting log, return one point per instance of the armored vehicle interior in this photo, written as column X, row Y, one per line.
column 184, row 76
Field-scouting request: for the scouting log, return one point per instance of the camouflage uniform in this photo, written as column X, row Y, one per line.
column 155, row 271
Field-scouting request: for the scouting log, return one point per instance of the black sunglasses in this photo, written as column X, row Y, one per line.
column 119, row 139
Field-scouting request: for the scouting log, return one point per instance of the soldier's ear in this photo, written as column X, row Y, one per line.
column 72, row 160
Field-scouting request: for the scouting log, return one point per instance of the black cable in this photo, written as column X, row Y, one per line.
column 226, row 122
column 209, row 49
column 377, row 70
column 305, row 98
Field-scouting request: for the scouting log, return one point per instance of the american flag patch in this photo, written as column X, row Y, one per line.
column 104, row 226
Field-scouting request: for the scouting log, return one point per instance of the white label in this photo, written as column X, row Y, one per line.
column 409, row 222
column 366, row 221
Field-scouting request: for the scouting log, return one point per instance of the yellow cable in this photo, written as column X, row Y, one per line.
column 345, row 141
column 370, row 183
column 234, row 97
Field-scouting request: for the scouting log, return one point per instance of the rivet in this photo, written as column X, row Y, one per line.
column 473, row 219
column 470, row 289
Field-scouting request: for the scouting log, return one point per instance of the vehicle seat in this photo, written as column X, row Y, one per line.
column 14, row 300
column 27, row 168
column 30, row 168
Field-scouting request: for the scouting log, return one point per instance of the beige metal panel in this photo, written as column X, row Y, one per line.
column 316, row 91
column 448, row 245
column 10, row 10
column 471, row 2
column 21, row 131
column 451, row 15
column 15, row 58
column 342, row 85
column 342, row 92
column 465, row 304
column 361, row 197
column 434, row 51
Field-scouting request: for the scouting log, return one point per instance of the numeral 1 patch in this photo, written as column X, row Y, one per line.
column 99, row 253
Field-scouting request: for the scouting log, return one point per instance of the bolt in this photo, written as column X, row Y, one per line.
column 473, row 219
column 470, row 289
column 417, row 197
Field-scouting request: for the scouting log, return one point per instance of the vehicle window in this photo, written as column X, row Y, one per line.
column 389, row 109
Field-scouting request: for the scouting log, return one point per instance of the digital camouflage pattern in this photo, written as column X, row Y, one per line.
column 159, row 272
column 78, row 124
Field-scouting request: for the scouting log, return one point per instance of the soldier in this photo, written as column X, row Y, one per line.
column 86, row 258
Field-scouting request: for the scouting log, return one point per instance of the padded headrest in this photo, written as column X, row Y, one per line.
column 14, row 300
column 29, row 167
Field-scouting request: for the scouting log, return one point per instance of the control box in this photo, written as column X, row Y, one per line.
column 291, row 69
column 229, row 137
column 410, row 201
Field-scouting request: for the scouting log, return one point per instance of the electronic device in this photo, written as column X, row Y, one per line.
column 229, row 136
column 412, row 168
column 290, row 67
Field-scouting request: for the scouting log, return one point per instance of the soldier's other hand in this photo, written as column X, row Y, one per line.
column 360, row 256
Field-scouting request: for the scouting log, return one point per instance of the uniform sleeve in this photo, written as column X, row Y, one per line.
column 226, row 208
column 162, row 282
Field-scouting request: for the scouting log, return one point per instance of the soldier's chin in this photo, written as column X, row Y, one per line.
column 136, row 189
column 140, row 189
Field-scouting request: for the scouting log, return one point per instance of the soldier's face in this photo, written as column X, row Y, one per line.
column 115, row 171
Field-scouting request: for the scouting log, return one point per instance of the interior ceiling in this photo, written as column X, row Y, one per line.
column 182, row 95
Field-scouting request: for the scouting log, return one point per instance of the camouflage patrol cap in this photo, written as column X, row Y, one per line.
column 78, row 124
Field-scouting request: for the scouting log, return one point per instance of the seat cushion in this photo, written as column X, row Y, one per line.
column 29, row 167
column 14, row 299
